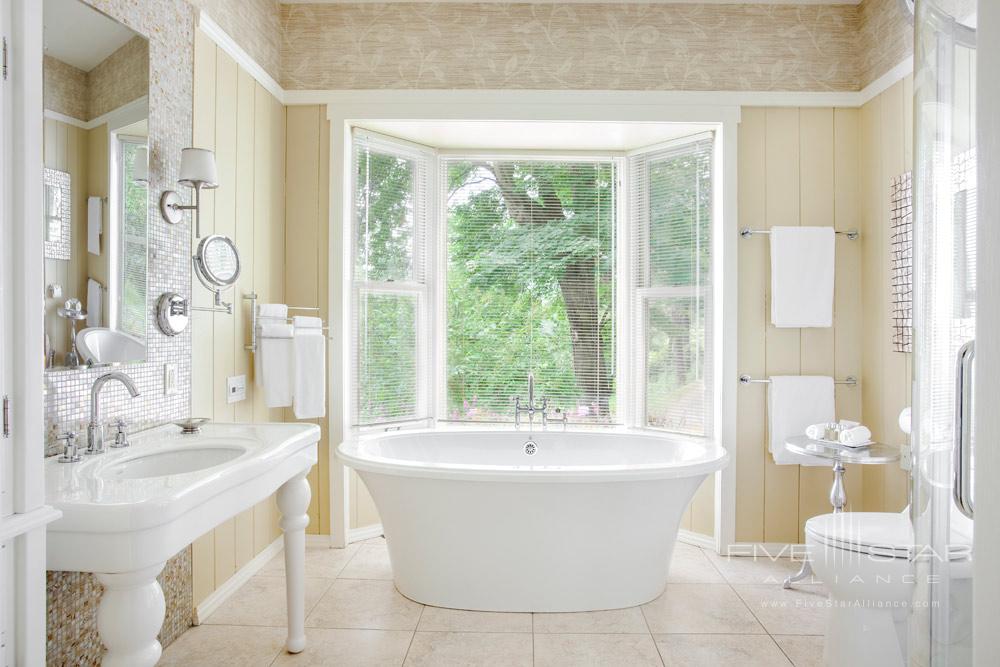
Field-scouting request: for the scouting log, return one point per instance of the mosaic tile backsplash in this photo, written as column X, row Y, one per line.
column 73, row 596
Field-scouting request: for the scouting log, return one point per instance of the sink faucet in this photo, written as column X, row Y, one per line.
column 95, row 429
column 530, row 408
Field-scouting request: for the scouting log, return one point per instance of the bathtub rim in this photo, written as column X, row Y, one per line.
column 350, row 453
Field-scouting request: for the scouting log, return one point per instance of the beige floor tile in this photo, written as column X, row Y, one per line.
column 700, row 608
column 700, row 650
column 457, row 620
column 224, row 646
column 690, row 565
column 797, row 611
column 802, row 650
column 356, row 648
column 364, row 604
column 759, row 569
column 261, row 601
column 614, row 621
column 321, row 561
column 595, row 650
column 370, row 562
column 470, row 649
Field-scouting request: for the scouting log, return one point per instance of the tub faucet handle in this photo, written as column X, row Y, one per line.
column 69, row 454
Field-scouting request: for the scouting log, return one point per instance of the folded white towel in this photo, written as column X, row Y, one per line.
column 855, row 436
column 95, row 224
column 310, row 368
column 794, row 403
column 265, row 312
column 274, row 363
column 95, row 303
column 802, row 266
column 305, row 322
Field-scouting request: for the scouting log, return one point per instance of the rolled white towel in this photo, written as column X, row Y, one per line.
column 817, row 431
column 857, row 435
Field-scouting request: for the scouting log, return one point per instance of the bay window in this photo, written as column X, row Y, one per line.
column 470, row 271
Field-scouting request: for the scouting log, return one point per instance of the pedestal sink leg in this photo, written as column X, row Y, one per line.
column 293, row 502
column 130, row 616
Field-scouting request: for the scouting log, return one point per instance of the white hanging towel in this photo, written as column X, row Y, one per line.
column 794, row 403
column 95, row 225
column 273, row 363
column 802, row 265
column 310, row 368
column 275, row 312
column 95, row 302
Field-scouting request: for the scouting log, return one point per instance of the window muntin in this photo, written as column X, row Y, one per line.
column 530, row 286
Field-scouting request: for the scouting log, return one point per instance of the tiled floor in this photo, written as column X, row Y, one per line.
column 715, row 611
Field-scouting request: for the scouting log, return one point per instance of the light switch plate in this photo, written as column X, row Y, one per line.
column 169, row 379
column 236, row 388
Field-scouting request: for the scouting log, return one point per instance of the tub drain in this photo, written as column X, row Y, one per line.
column 530, row 448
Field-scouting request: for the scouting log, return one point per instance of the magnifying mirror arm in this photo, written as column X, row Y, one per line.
column 220, row 305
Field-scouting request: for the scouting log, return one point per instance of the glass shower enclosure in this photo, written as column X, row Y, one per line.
column 944, row 319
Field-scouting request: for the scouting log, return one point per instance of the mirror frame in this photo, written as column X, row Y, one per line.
column 205, row 274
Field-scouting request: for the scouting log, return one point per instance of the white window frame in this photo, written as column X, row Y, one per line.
column 635, row 325
column 423, row 243
column 440, row 318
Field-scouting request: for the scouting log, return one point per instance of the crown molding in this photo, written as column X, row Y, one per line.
column 886, row 81
column 237, row 53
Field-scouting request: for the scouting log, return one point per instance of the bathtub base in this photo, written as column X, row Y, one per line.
column 530, row 547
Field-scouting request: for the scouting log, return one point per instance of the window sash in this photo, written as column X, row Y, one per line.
column 416, row 285
column 646, row 291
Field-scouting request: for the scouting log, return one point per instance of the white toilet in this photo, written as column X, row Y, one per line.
column 864, row 558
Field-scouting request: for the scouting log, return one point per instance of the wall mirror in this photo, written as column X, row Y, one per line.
column 96, row 114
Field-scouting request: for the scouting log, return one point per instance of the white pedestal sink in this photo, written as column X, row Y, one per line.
column 124, row 513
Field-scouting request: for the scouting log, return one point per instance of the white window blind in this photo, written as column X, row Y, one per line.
column 530, row 286
column 389, row 271
column 671, row 221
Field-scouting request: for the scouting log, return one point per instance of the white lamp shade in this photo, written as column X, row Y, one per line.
column 140, row 168
column 198, row 168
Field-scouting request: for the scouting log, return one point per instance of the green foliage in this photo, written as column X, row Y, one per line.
column 384, row 201
column 133, row 314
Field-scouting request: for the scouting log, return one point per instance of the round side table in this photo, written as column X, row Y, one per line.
column 839, row 455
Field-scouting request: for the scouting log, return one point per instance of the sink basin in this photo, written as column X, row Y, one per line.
column 100, row 345
column 170, row 462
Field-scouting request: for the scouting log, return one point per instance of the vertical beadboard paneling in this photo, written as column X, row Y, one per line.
column 782, row 346
column 245, row 125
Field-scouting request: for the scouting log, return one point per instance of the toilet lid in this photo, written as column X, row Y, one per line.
column 883, row 534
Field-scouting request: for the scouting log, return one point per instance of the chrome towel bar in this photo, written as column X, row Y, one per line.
column 746, row 232
column 254, row 318
column 849, row 380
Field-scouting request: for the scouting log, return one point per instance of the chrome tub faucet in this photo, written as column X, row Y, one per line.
column 95, row 429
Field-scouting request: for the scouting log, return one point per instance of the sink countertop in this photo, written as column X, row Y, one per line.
column 94, row 500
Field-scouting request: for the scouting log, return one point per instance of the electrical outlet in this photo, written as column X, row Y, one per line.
column 169, row 379
column 236, row 388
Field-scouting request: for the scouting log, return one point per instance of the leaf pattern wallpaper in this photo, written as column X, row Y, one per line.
column 610, row 46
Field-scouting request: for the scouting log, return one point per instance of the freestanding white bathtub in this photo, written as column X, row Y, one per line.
column 585, row 522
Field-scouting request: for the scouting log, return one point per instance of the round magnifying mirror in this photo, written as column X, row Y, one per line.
column 217, row 262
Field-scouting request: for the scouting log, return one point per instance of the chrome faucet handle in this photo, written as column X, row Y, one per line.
column 69, row 454
column 121, row 438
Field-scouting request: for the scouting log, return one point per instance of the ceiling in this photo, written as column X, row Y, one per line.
column 80, row 35
column 533, row 135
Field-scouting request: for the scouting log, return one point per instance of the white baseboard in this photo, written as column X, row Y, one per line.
column 240, row 577
column 364, row 533
column 696, row 539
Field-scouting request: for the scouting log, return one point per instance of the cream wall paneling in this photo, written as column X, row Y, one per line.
column 245, row 125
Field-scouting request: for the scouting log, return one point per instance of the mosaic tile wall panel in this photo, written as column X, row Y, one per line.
column 611, row 46
column 901, row 260
column 74, row 595
column 169, row 26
